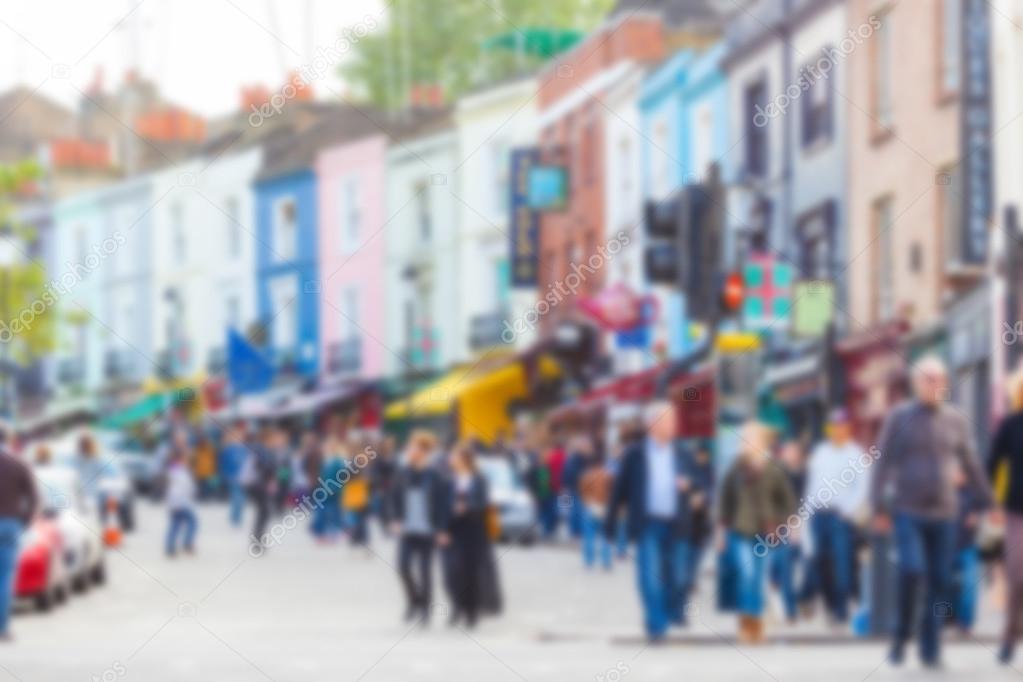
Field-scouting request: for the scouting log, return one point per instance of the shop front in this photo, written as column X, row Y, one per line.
column 876, row 377
column 969, row 347
column 793, row 396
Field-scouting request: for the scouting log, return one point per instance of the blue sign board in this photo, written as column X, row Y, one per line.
column 548, row 188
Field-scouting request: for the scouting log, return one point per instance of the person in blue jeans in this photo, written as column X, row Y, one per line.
column 18, row 505
column 181, row 492
column 232, row 462
column 755, row 502
column 923, row 446
column 650, row 484
column 836, row 490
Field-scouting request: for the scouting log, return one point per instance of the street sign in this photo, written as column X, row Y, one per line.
column 813, row 308
column 768, row 302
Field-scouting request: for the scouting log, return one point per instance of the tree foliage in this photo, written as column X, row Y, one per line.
column 27, row 304
column 427, row 42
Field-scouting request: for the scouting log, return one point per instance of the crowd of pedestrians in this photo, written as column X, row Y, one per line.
column 786, row 527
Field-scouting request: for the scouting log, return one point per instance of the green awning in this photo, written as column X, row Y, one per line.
column 538, row 42
column 133, row 414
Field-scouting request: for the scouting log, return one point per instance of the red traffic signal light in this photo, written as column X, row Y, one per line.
column 734, row 292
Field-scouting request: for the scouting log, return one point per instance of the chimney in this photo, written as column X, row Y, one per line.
column 426, row 96
column 254, row 96
column 303, row 88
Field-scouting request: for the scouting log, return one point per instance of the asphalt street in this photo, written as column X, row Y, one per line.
column 310, row 612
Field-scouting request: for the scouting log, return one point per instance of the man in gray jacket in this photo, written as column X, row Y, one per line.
column 923, row 445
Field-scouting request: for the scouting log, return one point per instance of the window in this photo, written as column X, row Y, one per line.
column 661, row 159
column 232, row 312
column 499, row 174
column 951, row 44
column 817, row 104
column 284, row 312
column 350, row 214
column 882, row 261
column 589, row 149
column 179, row 245
column 285, row 229
column 882, row 72
column 755, row 103
column 424, row 219
column 234, row 227
column 349, row 313
column 949, row 183
column 81, row 245
column 815, row 231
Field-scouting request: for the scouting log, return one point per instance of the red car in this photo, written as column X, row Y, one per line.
column 41, row 572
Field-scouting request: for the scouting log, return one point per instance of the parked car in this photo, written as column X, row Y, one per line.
column 104, row 478
column 140, row 465
column 78, row 521
column 41, row 574
column 515, row 508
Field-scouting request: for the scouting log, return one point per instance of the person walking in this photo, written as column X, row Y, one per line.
column 914, row 493
column 357, row 498
column 1005, row 462
column 466, row 502
column 837, row 485
column 592, row 493
column 694, row 526
column 260, row 478
column 784, row 559
column 19, row 503
column 181, row 494
column 328, row 523
column 233, row 454
column 418, row 511
column 650, row 484
column 756, row 499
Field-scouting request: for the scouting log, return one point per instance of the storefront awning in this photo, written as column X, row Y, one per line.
column 481, row 394
column 144, row 409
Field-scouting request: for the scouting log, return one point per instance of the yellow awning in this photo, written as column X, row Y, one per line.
column 482, row 395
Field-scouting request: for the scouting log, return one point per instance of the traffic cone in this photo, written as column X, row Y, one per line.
column 112, row 528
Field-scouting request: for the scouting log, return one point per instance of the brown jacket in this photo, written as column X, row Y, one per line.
column 18, row 497
column 754, row 502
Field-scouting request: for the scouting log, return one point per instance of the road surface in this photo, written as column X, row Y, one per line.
column 310, row 612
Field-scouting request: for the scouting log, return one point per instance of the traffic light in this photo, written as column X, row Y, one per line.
column 684, row 249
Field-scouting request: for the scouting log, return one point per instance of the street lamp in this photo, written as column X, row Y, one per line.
column 8, row 259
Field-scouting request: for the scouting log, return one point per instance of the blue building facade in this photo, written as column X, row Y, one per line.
column 287, row 276
column 684, row 115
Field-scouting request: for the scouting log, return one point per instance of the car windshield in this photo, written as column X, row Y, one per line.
column 499, row 474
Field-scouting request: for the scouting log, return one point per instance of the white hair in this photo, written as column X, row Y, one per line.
column 929, row 364
column 655, row 410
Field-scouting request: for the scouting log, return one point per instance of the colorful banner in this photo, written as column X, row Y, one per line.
column 524, row 227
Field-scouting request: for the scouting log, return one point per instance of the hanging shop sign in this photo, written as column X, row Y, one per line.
column 768, row 286
column 813, row 308
column 975, row 156
column 525, row 221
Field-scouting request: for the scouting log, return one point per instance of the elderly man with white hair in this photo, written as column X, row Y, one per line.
column 653, row 485
column 923, row 446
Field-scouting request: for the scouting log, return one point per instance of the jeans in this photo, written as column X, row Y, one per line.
column 416, row 551
column 10, row 532
column 181, row 521
column 549, row 515
column 660, row 575
column 576, row 512
column 925, row 549
column 328, row 519
column 593, row 540
column 749, row 564
column 356, row 520
column 236, row 495
column 781, row 564
column 833, row 547
column 967, row 568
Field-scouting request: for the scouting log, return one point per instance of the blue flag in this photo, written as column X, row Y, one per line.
column 248, row 370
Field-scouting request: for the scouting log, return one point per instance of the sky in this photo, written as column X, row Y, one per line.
column 200, row 52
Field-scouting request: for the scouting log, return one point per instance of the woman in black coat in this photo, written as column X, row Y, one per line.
column 469, row 565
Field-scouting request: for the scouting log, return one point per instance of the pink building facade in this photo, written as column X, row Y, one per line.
column 351, row 195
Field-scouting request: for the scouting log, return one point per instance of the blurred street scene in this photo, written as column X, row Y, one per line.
column 523, row 339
